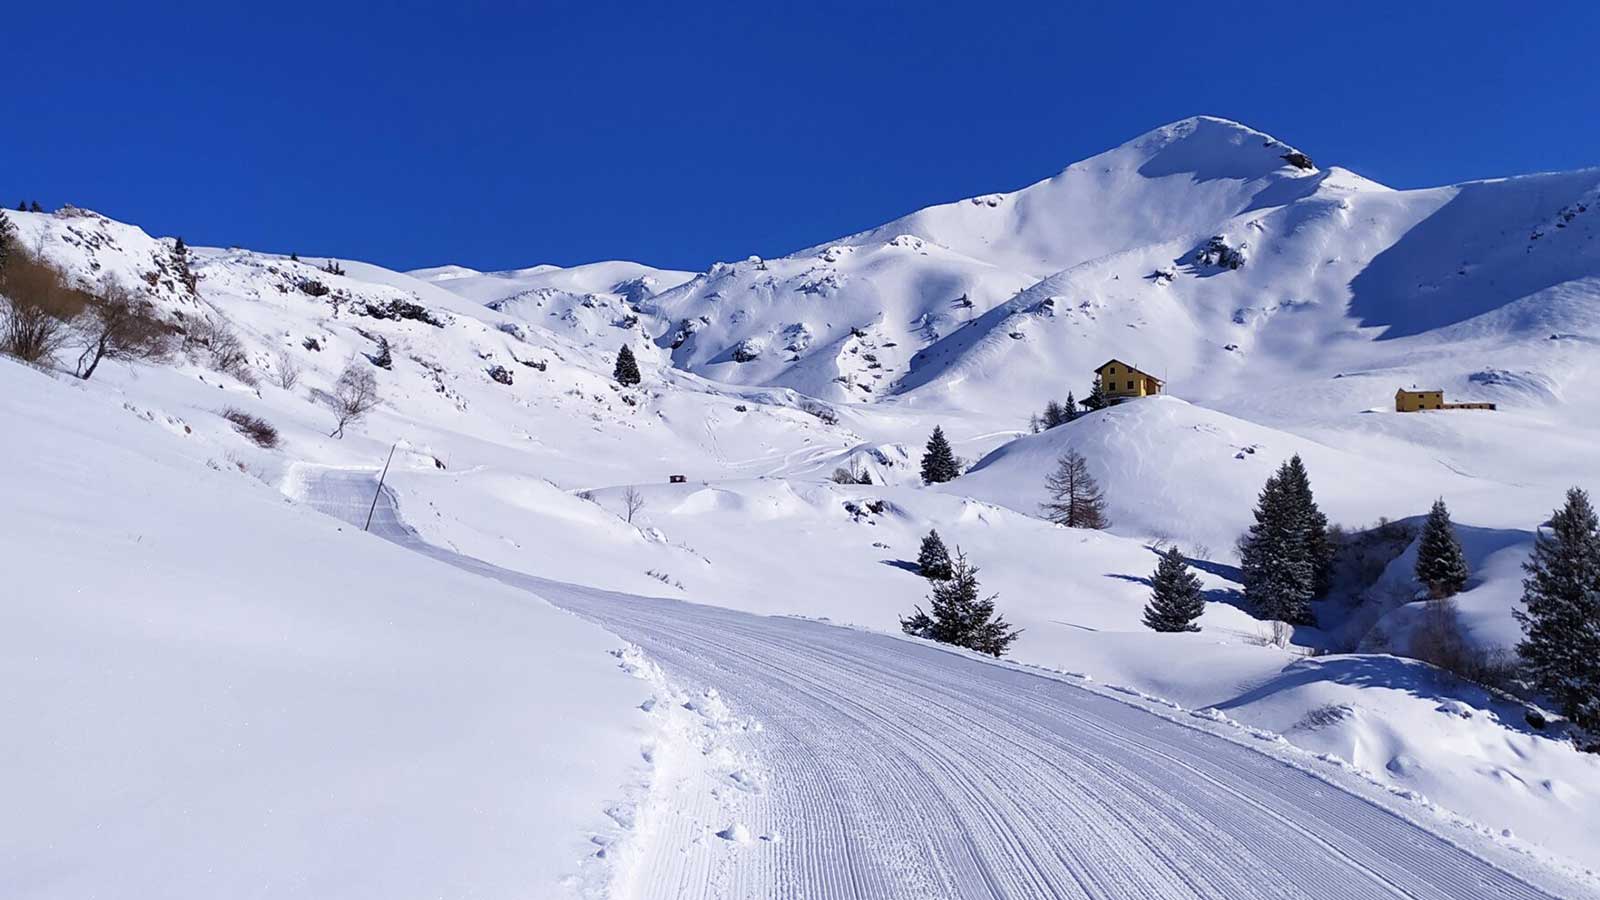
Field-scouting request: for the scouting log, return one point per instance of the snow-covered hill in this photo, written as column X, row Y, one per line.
column 598, row 304
column 1283, row 303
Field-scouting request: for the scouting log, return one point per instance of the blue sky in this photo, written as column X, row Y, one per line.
column 502, row 135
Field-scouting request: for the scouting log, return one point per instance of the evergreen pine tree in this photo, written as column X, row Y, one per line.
column 1070, row 408
column 1095, row 400
column 1275, row 556
column 933, row 560
column 1076, row 501
column 939, row 461
column 22, row 206
column 1312, row 522
column 1175, row 598
column 37, row 207
column 1561, row 625
column 959, row 617
column 627, row 370
column 1441, row 565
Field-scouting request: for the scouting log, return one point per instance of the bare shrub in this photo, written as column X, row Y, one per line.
column 354, row 395
column 286, row 370
column 119, row 325
column 1438, row 640
column 1281, row 633
column 39, row 306
column 223, row 350
column 632, row 503
column 29, row 333
column 255, row 428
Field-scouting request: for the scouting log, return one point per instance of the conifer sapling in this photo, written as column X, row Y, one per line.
column 1441, row 566
column 938, row 460
column 1175, row 597
column 933, row 560
column 957, row 615
column 627, row 369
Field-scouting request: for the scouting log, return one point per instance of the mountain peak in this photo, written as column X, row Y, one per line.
column 1206, row 147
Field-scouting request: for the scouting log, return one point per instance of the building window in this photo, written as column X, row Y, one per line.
column 1130, row 385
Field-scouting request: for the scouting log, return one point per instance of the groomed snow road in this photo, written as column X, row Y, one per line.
column 891, row 768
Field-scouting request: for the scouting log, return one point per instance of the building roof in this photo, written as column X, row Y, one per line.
column 1417, row 391
column 1130, row 368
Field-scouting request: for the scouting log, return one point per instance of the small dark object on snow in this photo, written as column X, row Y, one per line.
column 500, row 374
column 627, row 369
column 1298, row 160
column 677, row 479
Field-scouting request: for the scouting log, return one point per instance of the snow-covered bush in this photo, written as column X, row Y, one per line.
column 1217, row 252
column 747, row 350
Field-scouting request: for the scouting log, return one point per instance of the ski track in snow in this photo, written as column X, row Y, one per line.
column 837, row 763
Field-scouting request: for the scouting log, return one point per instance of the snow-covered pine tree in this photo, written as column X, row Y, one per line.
column 1095, row 400
column 627, row 370
column 1076, row 501
column 1561, row 625
column 933, row 560
column 958, row 616
column 1312, row 522
column 1274, row 556
column 1441, row 565
column 1175, row 598
column 939, row 461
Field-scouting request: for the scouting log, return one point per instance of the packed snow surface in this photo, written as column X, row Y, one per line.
column 861, row 765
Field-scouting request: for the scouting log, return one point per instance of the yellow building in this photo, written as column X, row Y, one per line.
column 1417, row 401
column 1119, row 381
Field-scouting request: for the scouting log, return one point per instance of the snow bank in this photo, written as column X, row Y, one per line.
column 214, row 693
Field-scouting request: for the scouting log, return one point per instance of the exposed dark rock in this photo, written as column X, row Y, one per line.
column 1298, row 160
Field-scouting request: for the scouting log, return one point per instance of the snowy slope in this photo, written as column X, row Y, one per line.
column 210, row 692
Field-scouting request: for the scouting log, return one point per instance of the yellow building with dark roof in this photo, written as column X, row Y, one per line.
column 1119, row 381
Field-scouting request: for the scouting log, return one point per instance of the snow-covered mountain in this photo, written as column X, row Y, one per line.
column 1282, row 301
column 1207, row 251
